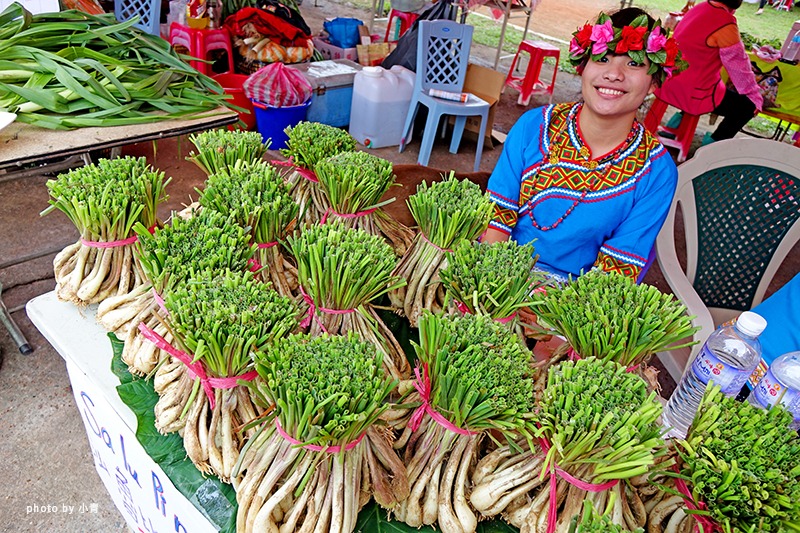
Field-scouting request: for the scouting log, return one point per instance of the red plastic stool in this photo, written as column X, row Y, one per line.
column 406, row 20
column 684, row 133
column 201, row 41
column 531, row 84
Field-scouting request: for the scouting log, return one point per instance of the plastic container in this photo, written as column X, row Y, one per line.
column 780, row 384
column 728, row 358
column 273, row 120
column 793, row 48
column 380, row 104
column 232, row 83
column 332, row 96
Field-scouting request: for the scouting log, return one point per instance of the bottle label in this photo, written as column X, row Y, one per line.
column 708, row 367
column 769, row 390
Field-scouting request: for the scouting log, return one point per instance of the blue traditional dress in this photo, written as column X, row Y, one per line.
column 545, row 168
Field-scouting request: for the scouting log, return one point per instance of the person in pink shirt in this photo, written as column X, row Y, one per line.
column 708, row 37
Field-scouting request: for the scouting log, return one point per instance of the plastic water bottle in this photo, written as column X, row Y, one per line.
column 781, row 383
column 793, row 49
column 728, row 358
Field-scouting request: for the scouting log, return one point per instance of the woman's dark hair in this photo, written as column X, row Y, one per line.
column 733, row 4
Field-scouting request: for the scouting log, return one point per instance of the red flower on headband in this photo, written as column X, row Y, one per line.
column 631, row 39
column 672, row 52
column 584, row 36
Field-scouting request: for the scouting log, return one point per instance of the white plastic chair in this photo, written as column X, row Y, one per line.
column 740, row 201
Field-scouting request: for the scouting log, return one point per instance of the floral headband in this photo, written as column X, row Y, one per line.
column 636, row 40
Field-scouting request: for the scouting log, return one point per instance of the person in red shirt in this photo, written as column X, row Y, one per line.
column 708, row 37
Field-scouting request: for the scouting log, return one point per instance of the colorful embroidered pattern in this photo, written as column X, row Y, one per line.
column 609, row 263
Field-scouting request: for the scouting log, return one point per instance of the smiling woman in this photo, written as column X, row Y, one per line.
column 585, row 180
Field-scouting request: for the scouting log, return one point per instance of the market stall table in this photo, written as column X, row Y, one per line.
column 140, row 489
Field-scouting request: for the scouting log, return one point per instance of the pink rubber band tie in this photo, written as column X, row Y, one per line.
column 115, row 244
column 437, row 247
column 555, row 471
column 195, row 369
column 307, row 174
column 465, row 311
column 360, row 214
column 252, row 264
column 160, row 301
column 423, row 387
column 709, row 526
column 316, row 447
column 312, row 307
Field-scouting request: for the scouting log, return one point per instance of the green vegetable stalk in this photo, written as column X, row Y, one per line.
column 609, row 317
column 340, row 272
column 104, row 201
column 320, row 456
column 474, row 376
column 353, row 183
column 308, row 144
column 73, row 70
column 169, row 256
column 219, row 319
column 742, row 463
column 492, row 279
column 221, row 149
column 594, row 522
column 598, row 424
column 446, row 213
column 254, row 194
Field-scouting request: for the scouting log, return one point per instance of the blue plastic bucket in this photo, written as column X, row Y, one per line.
column 272, row 121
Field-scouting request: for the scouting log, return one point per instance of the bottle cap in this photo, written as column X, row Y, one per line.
column 373, row 72
column 751, row 324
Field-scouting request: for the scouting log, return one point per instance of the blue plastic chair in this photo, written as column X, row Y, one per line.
column 149, row 12
column 442, row 57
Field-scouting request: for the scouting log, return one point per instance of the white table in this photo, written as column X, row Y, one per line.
column 141, row 490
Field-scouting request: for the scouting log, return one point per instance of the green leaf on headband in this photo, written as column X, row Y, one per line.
column 639, row 21
column 637, row 55
column 603, row 18
column 657, row 57
column 653, row 68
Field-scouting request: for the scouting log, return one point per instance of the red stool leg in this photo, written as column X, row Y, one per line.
column 654, row 116
column 510, row 78
column 686, row 135
column 389, row 26
column 531, row 77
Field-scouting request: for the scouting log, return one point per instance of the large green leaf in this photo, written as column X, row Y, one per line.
column 216, row 500
column 374, row 519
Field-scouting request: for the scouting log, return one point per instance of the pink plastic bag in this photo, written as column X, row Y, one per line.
column 278, row 86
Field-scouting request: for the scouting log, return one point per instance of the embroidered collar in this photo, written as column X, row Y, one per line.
column 576, row 139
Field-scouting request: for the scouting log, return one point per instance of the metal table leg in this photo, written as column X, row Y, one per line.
column 13, row 329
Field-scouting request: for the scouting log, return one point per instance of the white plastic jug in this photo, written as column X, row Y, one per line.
column 380, row 104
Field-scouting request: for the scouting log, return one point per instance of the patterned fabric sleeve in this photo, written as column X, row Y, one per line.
column 627, row 249
column 504, row 184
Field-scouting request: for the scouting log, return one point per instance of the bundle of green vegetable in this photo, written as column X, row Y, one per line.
column 104, row 201
column 608, row 316
column 354, row 183
column 220, row 149
column 594, row 522
column 491, row 279
column 219, row 320
column 597, row 424
column 254, row 194
column 340, row 272
column 72, row 69
column 446, row 212
column 206, row 241
column 743, row 463
column 473, row 376
column 316, row 463
column 308, row 144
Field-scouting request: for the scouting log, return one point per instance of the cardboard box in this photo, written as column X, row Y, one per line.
column 329, row 51
column 486, row 84
column 373, row 55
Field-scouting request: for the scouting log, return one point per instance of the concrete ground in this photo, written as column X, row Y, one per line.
column 44, row 454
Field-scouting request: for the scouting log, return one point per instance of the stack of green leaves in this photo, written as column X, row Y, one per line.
column 354, row 183
column 608, row 316
column 308, row 144
column 255, row 196
column 218, row 150
column 473, row 376
column 168, row 257
column 72, row 69
column 743, row 463
column 493, row 279
column 220, row 319
column 344, row 270
column 446, row 213
column 104, row 201
column 328, row 392
column 594, row 411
